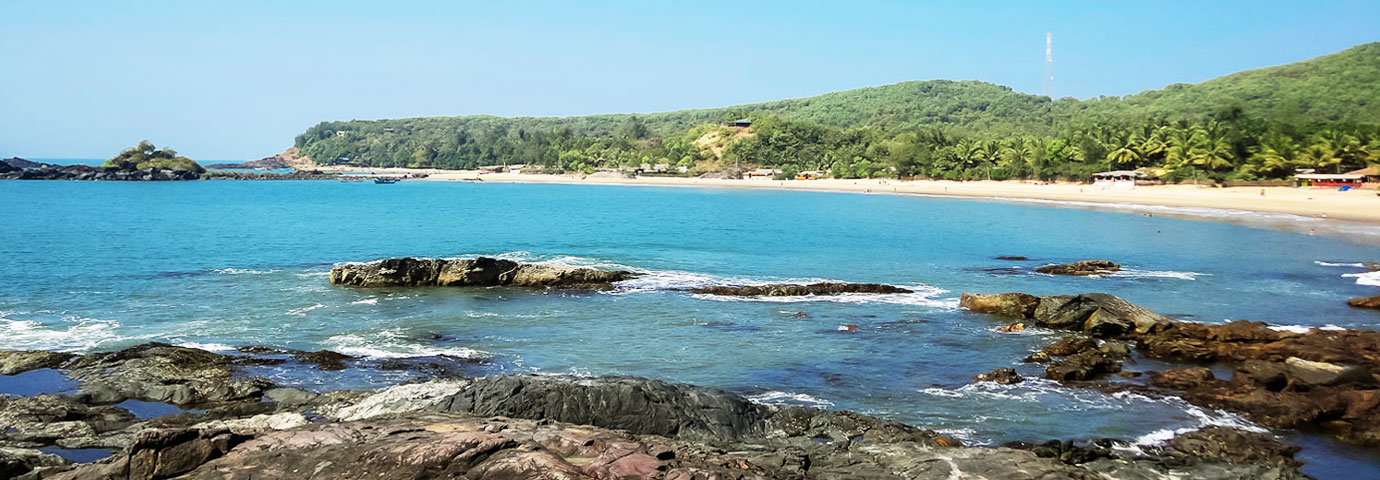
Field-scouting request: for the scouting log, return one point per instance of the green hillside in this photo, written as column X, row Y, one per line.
column 1319, row 113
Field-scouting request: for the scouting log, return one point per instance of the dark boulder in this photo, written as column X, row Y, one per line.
column 1233, row 446
column 1097, row 314
column 794, row 290
column 1004, row 376
column 1080, row 268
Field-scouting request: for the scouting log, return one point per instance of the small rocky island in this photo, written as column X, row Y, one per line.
column 475, row 272
column 142, row 163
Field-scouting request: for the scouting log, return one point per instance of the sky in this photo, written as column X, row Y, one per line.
column 237, row 80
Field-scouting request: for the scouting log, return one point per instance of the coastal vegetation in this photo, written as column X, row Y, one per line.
column 146, row 156
column 1261, row 124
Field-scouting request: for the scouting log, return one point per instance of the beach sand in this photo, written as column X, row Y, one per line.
column 1361, row 205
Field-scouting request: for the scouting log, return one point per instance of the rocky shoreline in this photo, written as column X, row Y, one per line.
column 519, row 426
column 475, row 272
column 1322, row 380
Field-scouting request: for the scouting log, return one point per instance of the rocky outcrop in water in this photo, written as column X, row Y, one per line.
column 1097, row 314
column 87, row 172
column 1081, row 268
column 477, row 272
column 275, row 162
column 533, row 426
column 793, row 290
column 1365, row 302
column 1322, row 379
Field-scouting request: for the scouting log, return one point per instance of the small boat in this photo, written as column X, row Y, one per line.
column 386, row 180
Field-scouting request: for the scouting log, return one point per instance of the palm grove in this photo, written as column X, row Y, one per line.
column 1261, row 124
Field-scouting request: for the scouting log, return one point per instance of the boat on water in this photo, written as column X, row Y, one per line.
column 386, row 180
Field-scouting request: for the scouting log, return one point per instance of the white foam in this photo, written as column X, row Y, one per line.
column 1205, row 418
column 923, row 296
column 1331, row 264
column 775, row 397
column 303, row 310
column 367, row 301
column 1367, row 278
column 393, row 344
column 1291, row 328
column 314, row 274
column 210, row 347
column 1134, row 273
column 72, row 334
column 242, row 271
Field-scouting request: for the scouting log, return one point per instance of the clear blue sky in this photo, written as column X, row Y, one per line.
column 239, row 79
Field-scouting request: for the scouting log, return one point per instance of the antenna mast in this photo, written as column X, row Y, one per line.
column 1049, row 64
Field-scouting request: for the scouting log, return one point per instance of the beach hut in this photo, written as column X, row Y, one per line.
column 741, row 123
column 1330, row 179
column 809, row 175
column 1117, row 178
column 766, row 173
column 1370, row 176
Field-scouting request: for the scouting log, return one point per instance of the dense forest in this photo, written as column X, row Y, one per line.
column 1322, row 113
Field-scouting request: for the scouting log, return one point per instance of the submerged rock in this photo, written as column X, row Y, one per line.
column 794, row 290
column 477, row 272
column 1080, row 268
column 1004, row 376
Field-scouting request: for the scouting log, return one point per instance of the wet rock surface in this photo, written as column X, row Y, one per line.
column 477, row 272
column 1365, row 302
column 794, row 290
column 1081, row 268
column 518, row 426
column 1326, row 380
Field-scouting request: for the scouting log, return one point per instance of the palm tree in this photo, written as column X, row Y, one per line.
column 1127, row 154
column 1275, row 154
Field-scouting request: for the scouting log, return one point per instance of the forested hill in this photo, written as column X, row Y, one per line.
column 940, row 128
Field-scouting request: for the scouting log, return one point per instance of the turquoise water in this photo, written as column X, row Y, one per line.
column 98, row 266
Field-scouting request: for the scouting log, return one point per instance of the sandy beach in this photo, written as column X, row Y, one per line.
column 1356, row 205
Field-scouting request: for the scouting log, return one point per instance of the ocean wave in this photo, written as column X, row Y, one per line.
column 923, row 296
column 242, row 271
column 1303, row 328
column 1340, row 264
column 392, row 343
column 367, row 301
column 303, row 310
column 1134, row 273
column 210, row 347
column 74, row 334
column 775, row 397
column 1367, row 278
column 1205, row 418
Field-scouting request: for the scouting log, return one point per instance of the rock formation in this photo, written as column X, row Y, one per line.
column 477, row 272
column 1080, row 268
column 527, row 426
column 1322, row 379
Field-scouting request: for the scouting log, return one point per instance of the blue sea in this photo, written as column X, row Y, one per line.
column 90, row 266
